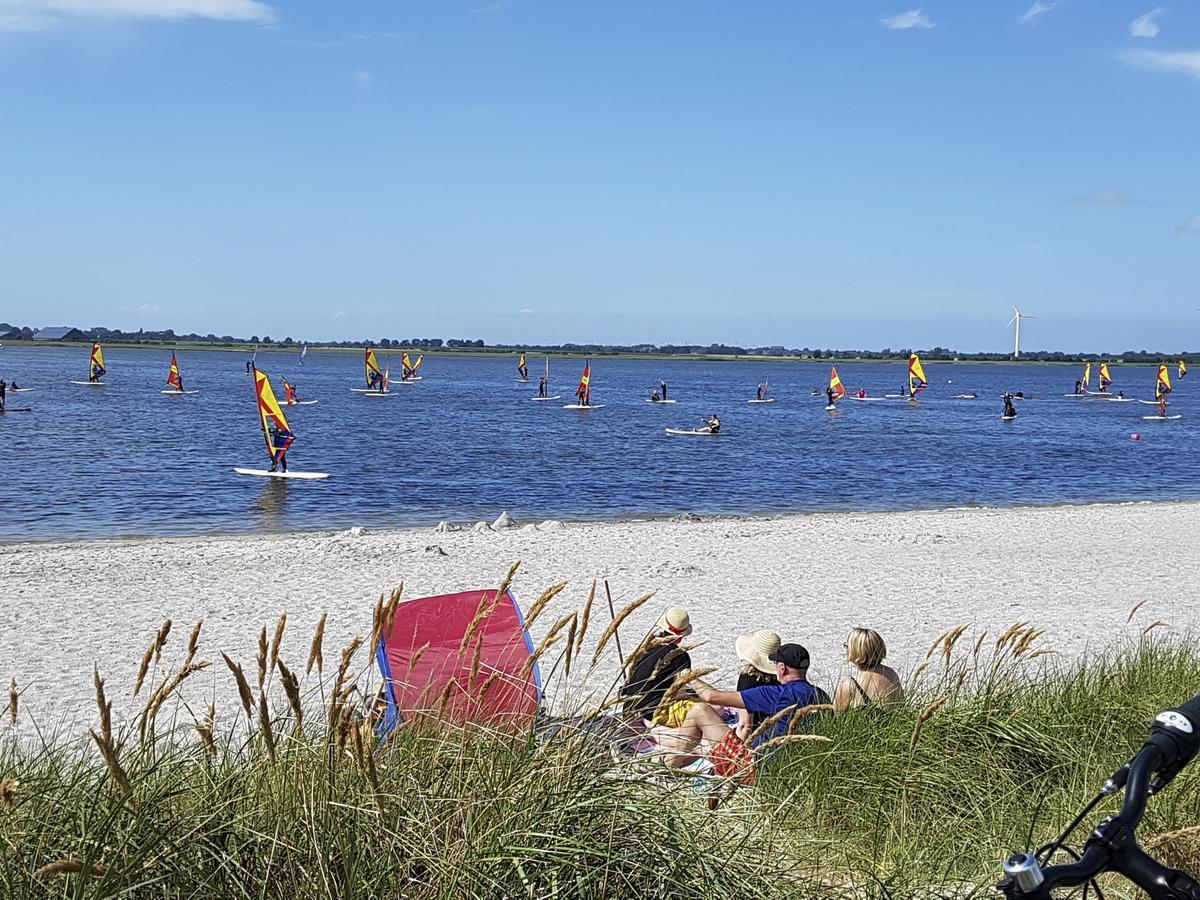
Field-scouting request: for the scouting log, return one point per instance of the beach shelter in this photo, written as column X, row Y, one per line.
column 470, row 649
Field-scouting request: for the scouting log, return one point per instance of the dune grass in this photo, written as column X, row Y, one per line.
column 995, row 749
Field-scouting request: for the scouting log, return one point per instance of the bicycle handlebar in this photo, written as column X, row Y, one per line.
column 1174, row 741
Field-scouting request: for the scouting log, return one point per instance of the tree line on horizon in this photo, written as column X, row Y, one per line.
column 168, row 337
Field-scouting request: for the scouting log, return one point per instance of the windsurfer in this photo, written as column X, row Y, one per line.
column 3, row 391
column 542, row 386
column 1162, row 406
column 830, row 395
column 758, row 395
column 714, row 424
column 278, row 442
column 663, row 384
column 862, row 393
column 290, row 397
column 14, row 386
column 1078, row 386
column 1010, row 411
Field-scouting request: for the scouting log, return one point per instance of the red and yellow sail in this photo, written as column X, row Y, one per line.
column 1105, row 378
column 835, row 384
column 917, row 381
column 173, row 378
column 1162, row 385
column 1086, row 380
column 289, row 393
column 521, row 367
column 279, row 437
column 373, row 373
column 1181, row 368
column 96, row 364
column 584, row 391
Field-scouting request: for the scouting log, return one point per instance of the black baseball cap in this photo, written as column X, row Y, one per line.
column 794, row 656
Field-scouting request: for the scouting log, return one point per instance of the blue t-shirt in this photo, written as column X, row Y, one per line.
column 772, row 698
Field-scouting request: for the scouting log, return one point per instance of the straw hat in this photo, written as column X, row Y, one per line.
column 677, row 621
column 756, row 649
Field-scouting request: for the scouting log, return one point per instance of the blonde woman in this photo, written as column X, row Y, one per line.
column 873, row 683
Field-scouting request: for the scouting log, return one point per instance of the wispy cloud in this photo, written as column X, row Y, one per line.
column 1147, row 26
column 152, row 308
column 363, row 77
column 488, row 8
column 39, row 15
column 914, row 18
column 340, row 314
column 1038, row 9
column 1109, row 197
column 1172, row 62
column 526, row 311
column 1191, row 226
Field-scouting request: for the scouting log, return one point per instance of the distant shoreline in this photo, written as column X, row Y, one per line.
column 502, row 352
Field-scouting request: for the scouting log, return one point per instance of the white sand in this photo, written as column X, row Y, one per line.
column 1073, row 570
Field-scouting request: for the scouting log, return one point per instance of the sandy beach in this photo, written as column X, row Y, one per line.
column 1074, row 570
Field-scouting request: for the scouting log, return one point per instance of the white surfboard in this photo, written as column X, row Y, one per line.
column 867, row 399
column 967, row 397
column 411, row 380
column 377, row 394
column 765, row 400
column 1007, row 418
column 267, row 473
column 1163, row 418
column 17, row 409
column 1149, row 402
column 543, row 399
column 19, row 390
column 178, row 393
column 302, row 403
column 657, row 402
column 91, row 383
column 581, row 406
column 693, row 432
column 521, row 381
column 832, row 407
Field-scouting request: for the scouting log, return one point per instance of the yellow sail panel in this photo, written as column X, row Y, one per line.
column 1105, row 378
column 96, row 365
column 173, row 378
column 1162, row 385
column 417, row 365
column 276, row 433
column 1181, row 369
column 917, row 381
column 835, row 384
column 1086, row 380
column 373, row 372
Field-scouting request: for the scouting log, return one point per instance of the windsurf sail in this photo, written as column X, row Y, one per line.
column 524, row 372
column 386, row 381
column 173, row 377
column 584, row 391
column 1105, row 378
column 406, row 367
column 763, row 388
column 303, row 353
column 1086, row 380
column 289, row 393
column 836, row 386
column 917, row 381
column 374, row 374
column 1181, row 369
column 1162, row 385
column 96, row 368
column 276, row 433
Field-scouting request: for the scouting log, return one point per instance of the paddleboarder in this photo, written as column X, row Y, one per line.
column 714, row 424
column 1010, row 411
column 663, row 385
column 758, row 395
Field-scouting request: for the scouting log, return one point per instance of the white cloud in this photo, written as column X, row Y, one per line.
column 362, row 76
column 152, row 308
column 914, row 18
column 1174, row 62
column 38, row 15
column 1191, row 226
column 491, row 7
column 526, row 311
column 340, row 314
column 1109, row 197
column 1031, row 15
column 1146, row 26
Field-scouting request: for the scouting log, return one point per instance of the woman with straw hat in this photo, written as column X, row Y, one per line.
column 754, row 653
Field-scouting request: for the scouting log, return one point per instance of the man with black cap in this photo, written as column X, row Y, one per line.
column 794, row 690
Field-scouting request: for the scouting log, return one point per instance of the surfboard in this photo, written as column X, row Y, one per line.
column 767, row 400
column 178, row 393
column 832, row 407
column 1149, row 402
column 965, row 397
column 521, row 381
column 1119, row 399
column 580, row 406
column 1007, row 418
column 302, row 403
column 543, row 399
column 692, row 431
column 867, row 399
column 895, row 396
column 19, row 390
column 377, row 394
column 414, row 378
column 1163, row 418
column 91, row 383
column 267, row 473
column 17, row 409
column 656, row 402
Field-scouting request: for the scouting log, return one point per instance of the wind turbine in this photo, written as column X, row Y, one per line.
column 1017, row 317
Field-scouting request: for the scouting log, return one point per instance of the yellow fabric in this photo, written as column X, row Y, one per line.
column 673, row 714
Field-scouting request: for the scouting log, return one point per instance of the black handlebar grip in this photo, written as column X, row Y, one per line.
column 1176, row 735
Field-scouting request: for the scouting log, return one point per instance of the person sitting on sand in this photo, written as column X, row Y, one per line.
column 754, row 653
column 656, row 670
column 873, row 683
column 727, row 750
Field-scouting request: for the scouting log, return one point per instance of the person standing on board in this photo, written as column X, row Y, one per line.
column 1010, row 411
column 279, row 442
column 758, row 395
column 542, row 386
column 663, row 384
column 584, row 394
column 1078, row 386
column 3, row 390
column 1162, row 406
column 829, row 394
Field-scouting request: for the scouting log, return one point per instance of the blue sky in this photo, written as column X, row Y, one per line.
column 839, row 174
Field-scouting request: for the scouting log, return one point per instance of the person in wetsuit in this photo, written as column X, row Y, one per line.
column 1010, row 411
column 714, row 424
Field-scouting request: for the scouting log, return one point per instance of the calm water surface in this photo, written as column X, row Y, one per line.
column 466, row 443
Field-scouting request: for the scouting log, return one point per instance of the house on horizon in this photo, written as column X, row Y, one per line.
column 60, row 334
